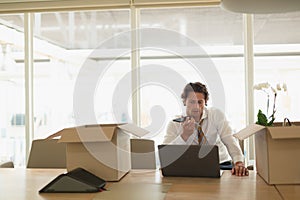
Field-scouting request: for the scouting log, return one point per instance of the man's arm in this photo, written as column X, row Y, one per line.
column 173, row 135
column 231, row 144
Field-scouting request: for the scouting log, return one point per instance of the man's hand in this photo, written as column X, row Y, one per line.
column 239, row 169
column 188, row 127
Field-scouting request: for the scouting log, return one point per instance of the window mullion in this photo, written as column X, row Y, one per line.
column 29, row 118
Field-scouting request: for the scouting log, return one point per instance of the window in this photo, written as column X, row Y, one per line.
column 65, row 44
column 182, row 45
column 210, row 47
column 277, row 58
column 12, row 90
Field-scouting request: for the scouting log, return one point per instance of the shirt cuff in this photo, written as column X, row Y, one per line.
column 179, row 140
column 238, row 159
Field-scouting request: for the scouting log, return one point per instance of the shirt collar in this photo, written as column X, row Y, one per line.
column 204, row 113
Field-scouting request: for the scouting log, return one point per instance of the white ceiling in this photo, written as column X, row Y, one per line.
column 213, row 26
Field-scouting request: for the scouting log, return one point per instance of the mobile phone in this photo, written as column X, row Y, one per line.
column 180, row 119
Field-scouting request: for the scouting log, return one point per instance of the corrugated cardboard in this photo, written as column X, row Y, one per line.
column 277, row 151
column 103, row 150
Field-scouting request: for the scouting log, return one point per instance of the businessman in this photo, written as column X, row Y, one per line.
column 213, row 128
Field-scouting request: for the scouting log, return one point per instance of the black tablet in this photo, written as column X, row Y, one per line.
column 76, row 181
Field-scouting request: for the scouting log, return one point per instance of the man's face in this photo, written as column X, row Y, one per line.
column 195, row 103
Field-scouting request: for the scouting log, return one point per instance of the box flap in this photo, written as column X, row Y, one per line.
column 284, row 132
column 133, row 129
column 52, row 136
column 248, row 131
column 88, row 133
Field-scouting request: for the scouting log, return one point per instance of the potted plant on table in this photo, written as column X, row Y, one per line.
column 262, row 119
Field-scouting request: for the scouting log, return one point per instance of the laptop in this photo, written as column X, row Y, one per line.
column 189, row 160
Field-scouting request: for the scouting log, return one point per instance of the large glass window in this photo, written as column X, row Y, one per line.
column 179, row 45
column 65, row 43
column 277, row 58
column 193, row 42
column 12, row 90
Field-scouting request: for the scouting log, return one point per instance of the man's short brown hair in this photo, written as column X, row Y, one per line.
column 196, row 87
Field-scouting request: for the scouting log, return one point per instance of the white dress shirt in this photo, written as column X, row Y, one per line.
column 217, row 132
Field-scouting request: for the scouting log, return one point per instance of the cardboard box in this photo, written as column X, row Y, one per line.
column 47, row 154
column 103, row 150
column 277, row 150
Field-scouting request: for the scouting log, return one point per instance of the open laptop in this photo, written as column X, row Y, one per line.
column 189, row 160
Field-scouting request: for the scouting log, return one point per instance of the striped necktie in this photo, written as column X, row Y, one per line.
column 201, row 137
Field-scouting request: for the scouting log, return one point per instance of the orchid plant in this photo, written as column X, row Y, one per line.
column 262, row 119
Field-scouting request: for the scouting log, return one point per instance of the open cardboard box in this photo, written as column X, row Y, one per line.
column 277, row 150
column 103, row 150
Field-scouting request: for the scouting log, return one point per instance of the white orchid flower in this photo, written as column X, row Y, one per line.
column 267, row 88
column 275, row 92
column 284, row 87
column 278, row 87
column 261, row 86
column 264, row 85
column 257, row 87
